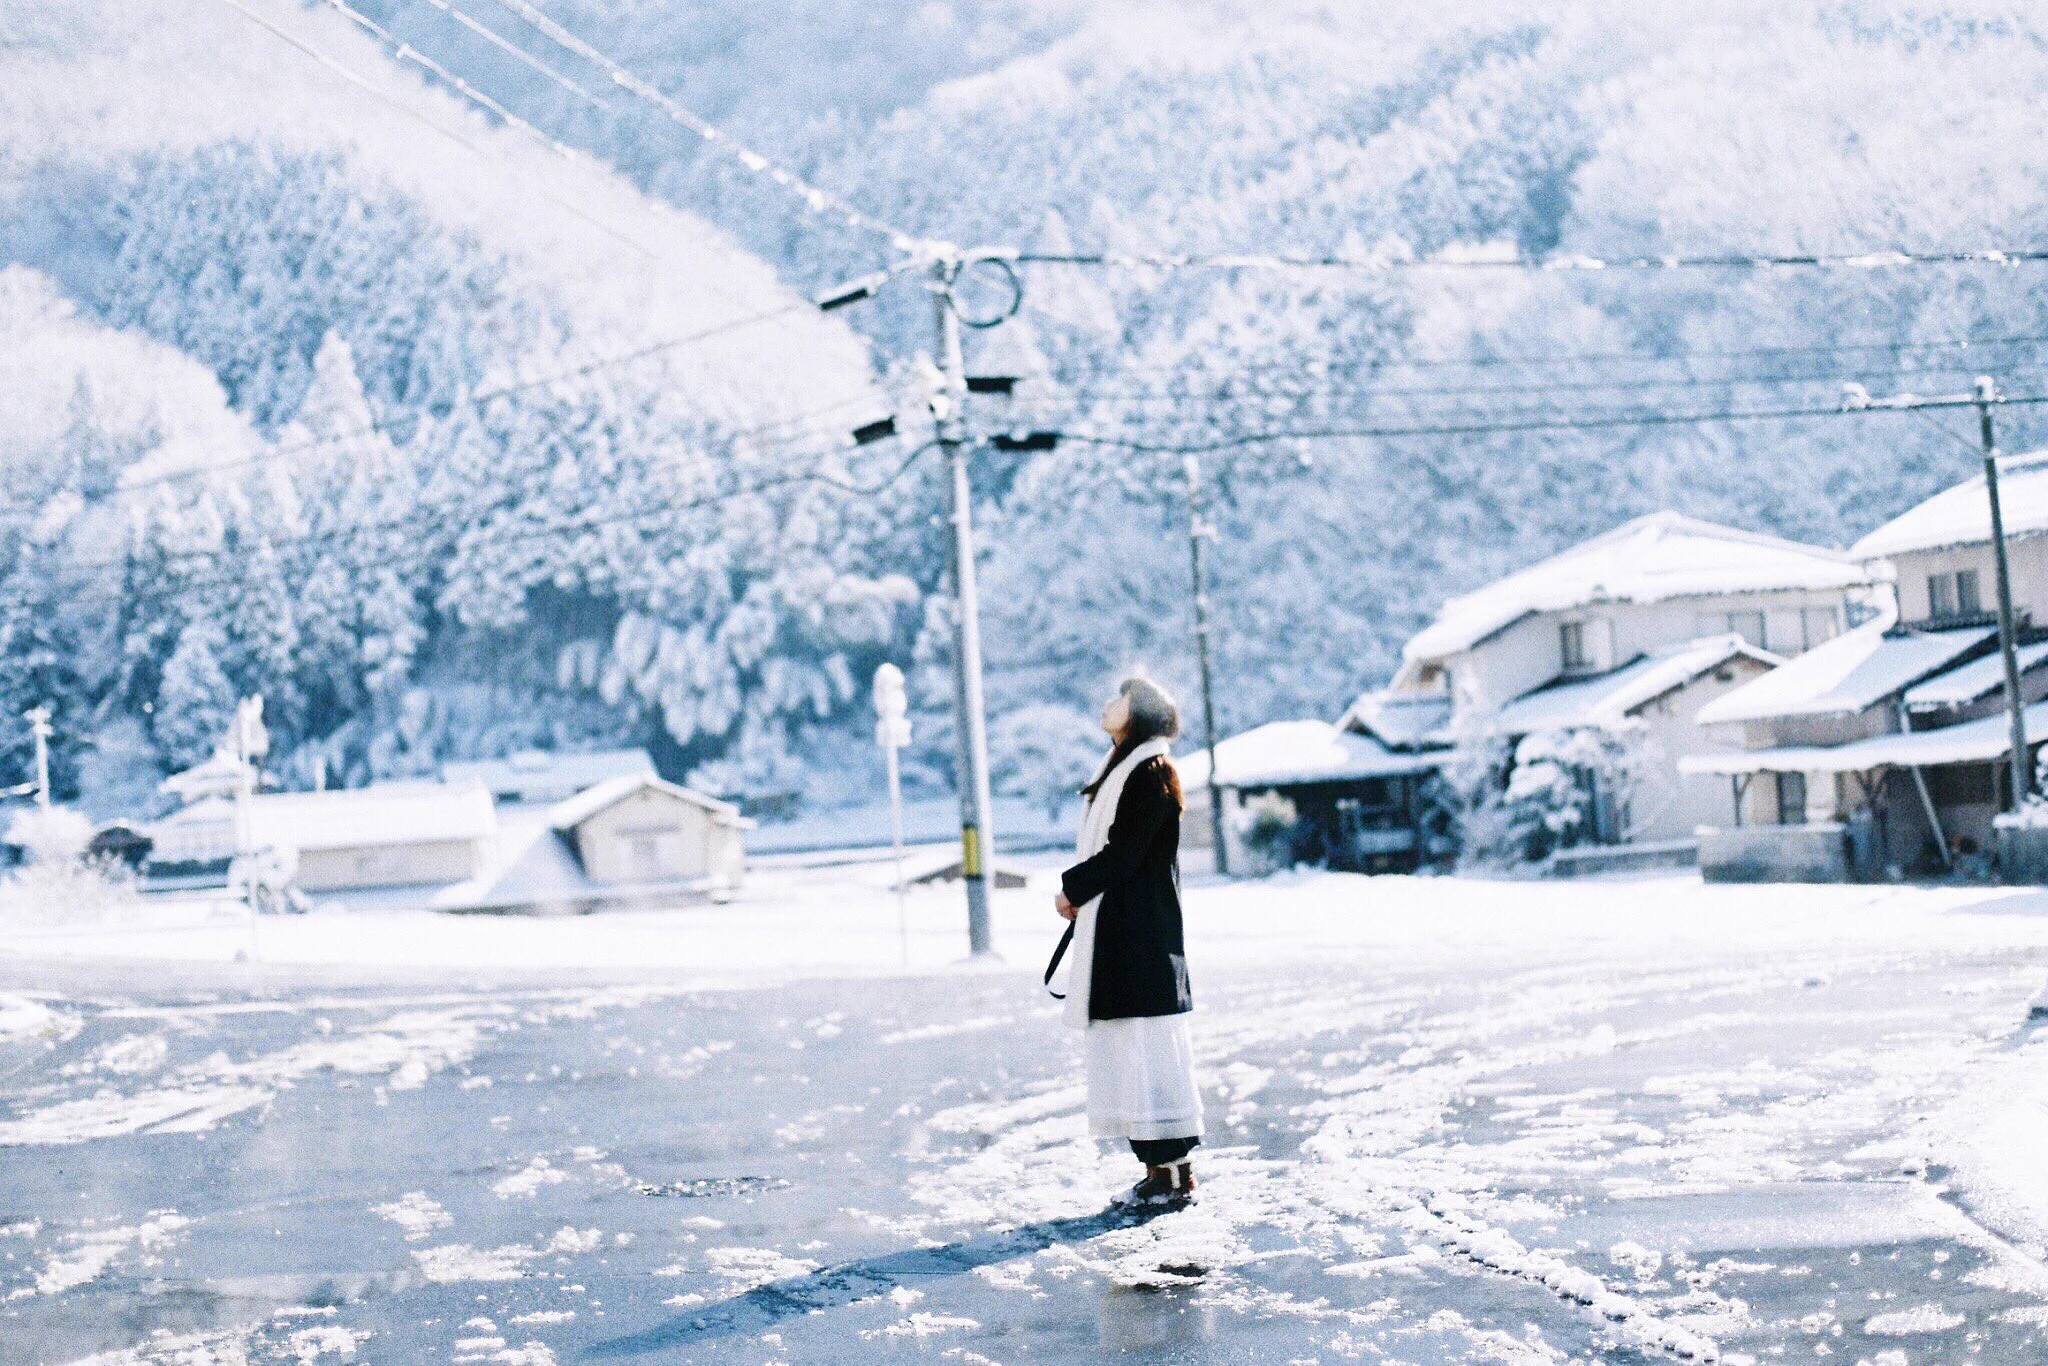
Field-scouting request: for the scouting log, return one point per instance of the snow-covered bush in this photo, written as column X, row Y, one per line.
column 50, row 836
column 1551, row 790
column 58, row 883
column 1045, row 752
column 1266, row 826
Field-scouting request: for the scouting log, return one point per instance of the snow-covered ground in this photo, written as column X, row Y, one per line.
column 1450, row 1120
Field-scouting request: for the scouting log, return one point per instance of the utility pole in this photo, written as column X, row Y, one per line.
column 2015, row 705
column 39, row 726
column 1197, row 530
column 976, row 837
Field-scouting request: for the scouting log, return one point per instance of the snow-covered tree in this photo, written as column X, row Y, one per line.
column 196, row 702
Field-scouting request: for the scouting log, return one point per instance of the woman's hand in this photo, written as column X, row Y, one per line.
column 1063, row 906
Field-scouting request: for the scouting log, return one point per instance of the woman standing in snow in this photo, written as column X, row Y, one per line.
column 1128, row 984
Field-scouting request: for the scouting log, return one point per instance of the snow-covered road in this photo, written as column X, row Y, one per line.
column 1450, row 1121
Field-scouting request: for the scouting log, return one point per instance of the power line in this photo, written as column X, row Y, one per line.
column 1596, row 423
column 410, row 112
column 1587, row 357
column 421, row 554
column 819, row 201
column 1223, row 392
column 384, row 426
column 1877, row 260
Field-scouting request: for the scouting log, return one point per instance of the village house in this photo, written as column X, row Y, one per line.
column 405, row 834
column 1354, row 797
column 493, row 836
column 1889, row 748
column 1631, row 632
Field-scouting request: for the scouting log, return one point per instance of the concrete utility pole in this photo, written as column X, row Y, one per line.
column 1197, row 530
column 2015, row 705
column 39, row 726
column 976, row 830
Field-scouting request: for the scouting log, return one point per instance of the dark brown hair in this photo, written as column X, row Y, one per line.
column 1153, row 715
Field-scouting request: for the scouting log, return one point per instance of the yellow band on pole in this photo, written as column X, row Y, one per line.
column 970, row 851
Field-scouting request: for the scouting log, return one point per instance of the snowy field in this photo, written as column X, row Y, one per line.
column 1450, row 1121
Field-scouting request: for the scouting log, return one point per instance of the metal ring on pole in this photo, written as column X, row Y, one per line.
column 982, row 322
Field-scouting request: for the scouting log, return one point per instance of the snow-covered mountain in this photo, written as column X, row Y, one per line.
column 481, row 420
column 1472, row 127
column 186, row 174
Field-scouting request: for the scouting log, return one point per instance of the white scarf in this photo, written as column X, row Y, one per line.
column 1096, row 818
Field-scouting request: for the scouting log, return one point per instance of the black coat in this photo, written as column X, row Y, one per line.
column 1140, row 965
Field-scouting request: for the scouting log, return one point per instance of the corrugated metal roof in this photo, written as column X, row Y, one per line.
column 1289, row 752
column 1847, row 674
column 1967, row 683
column 1608, row 698
column 1972, row 742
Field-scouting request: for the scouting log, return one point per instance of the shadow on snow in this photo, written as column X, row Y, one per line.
column 835, row 1287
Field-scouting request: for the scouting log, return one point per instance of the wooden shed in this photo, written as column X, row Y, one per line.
column 641, row 829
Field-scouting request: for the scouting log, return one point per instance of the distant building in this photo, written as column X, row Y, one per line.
column 1658, row 581
column 1631, row 631
column 1355, row 799
column 642, row 831
column 384, row 835
column 546, row 776
column 1889, row 748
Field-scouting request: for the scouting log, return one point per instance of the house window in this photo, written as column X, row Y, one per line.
column 1822, row 625
column 1748, row 625
column 1791, row 799
column 1967, row 602
column 1954, row 595
column 1571, row 637
column 1941, row 595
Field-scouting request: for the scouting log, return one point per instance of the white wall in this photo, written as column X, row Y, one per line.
column 2027, row 555
column 1530, row 653
column 654, row 836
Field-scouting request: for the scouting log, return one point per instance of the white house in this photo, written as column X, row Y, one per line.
column 1657, row 581
column 1890, row 747
column 1940, row 550
column 1354, row 796
column 409, row 834
column 1633, row 630
column 385, row 835
column 644, row 831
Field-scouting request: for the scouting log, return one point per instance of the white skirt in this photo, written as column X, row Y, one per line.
column 1141, row 1078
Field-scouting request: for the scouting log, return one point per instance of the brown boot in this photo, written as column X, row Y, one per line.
column 1168, row 1187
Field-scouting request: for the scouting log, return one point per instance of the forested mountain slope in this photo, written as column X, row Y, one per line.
column 1537, row 126
column 481, row 422
column 1467, row 130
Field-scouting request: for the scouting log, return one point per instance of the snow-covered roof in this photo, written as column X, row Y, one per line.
column 1987, row 738
column 382, row 814
column 1400, row 720
column 1651, row 559
column 567, row 815
column 1961, row 515
column 1289, row 752
column 217, row 775
column 1979, row 678
column 1609, row 698
column 1855, row 670
column 547, row 776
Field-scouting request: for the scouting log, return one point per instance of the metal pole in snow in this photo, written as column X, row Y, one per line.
column 39, row 726
column 1196, row 531
column 976, row 835
column 896, row 844
column 2015, row 706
